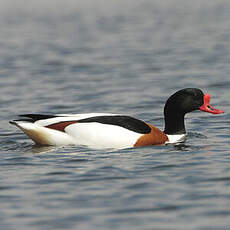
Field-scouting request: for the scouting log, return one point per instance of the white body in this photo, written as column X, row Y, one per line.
column 91, row 134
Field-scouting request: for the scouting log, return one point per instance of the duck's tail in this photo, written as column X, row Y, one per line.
column 42, row 135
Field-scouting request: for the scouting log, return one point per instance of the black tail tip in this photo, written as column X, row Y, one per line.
column 13, row 122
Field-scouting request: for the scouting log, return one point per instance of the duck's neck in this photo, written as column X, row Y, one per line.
column 174, row 123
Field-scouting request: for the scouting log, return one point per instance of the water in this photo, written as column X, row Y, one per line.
column 120, row 57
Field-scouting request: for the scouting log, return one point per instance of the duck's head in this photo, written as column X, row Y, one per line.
column 188, row 100
column 182, row 102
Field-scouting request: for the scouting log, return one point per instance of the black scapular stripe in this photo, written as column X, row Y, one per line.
column 35, row 117
column 127, row 122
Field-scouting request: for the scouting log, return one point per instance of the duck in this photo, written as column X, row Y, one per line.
column 116, row 131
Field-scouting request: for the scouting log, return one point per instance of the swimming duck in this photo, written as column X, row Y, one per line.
column 104, row 130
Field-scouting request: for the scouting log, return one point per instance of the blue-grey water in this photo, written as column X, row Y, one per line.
column 120, row 57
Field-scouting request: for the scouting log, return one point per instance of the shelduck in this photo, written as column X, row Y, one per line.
column 104, row 130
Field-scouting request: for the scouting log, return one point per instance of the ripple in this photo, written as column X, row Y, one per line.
column 220, row 84
column 195, row 135
column 167, row 208
column 80, row 57
column 57, row 173
column 6, row 187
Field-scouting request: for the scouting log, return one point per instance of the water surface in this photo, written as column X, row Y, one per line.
column 119, row 57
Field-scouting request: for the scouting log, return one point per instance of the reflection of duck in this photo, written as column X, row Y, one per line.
column 100, row 130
